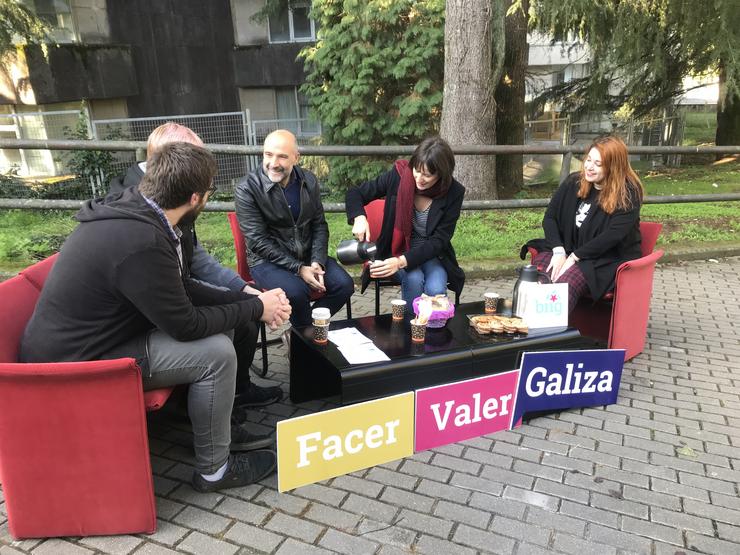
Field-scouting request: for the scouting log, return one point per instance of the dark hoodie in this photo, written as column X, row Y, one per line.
column 133, row 177
column 118, row 277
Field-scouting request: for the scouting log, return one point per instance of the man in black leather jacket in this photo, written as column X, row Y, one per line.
column 282, row 219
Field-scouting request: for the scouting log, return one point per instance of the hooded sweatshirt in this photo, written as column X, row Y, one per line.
column 132, row 178
column 118, row 277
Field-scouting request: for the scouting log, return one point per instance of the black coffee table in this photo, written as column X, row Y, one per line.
column 452, row 353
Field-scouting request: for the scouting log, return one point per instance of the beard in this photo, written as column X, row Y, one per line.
column 192, row 214
column 277, row 176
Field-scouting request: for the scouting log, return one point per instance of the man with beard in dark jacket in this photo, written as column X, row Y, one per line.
column 203, row 267
column 282, row 219
column 118, row 289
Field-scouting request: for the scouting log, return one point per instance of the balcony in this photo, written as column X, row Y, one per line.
column 70, row 72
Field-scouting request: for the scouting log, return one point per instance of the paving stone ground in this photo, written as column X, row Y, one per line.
column 657, row 473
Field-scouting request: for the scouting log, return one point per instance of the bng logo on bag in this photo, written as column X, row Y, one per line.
column 551, row 304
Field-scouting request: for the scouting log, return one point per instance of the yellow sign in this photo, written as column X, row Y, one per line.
column 335, row 442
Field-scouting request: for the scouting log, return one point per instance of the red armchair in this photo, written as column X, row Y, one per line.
column 242, row 268
column 620, row 319
column 74, row 453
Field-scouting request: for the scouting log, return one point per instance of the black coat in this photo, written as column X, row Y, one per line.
column 132, row 178
column 603, row 241
column 117, row 277
column 443, row 215
column 268, row 226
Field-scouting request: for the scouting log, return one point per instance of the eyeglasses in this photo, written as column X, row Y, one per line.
column 212, row 189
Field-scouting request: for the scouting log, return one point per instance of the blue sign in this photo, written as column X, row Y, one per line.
column 567, row 379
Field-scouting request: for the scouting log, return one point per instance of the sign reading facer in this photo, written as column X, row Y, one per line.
column 335, row 442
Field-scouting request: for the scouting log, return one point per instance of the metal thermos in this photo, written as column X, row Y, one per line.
column 352, row 251
column 527, row 274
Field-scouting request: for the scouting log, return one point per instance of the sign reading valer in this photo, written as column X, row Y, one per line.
column 458, row 411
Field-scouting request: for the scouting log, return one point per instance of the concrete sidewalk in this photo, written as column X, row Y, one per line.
column 657, row 473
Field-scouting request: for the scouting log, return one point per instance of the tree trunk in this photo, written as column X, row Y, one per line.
column 510, row 102
column 728, row 114
column 474, row 41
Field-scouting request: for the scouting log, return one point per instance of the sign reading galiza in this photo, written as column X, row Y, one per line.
column 567, row 379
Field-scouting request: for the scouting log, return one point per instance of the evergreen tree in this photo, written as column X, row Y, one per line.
column 510, row 100
column 642, row 49
column 17, row 22
column 375, row 76
column 474, row 58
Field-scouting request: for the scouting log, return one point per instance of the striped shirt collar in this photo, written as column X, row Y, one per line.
column 174, row 232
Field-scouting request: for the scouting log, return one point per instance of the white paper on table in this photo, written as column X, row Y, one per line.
column 347, row 337
column 356, row 347
column 361, row 354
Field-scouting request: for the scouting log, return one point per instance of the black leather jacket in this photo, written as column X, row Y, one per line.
column 268, row 226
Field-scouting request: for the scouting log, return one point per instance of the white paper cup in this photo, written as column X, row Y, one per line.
column 491, row 302
column 321, row 318
column 398, row 308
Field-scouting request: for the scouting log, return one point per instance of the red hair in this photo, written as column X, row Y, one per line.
column 170, row 132
column 619, row 177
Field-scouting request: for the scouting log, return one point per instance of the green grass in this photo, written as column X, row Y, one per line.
column 722, row 177
column 27, row 236
column 700, row 127
column 482, row 239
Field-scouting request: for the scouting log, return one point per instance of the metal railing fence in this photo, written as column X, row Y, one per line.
column 231, row 128
column 345, row 150
column 353, row 150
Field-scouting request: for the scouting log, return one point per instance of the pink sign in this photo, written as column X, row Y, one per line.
column 458, row 411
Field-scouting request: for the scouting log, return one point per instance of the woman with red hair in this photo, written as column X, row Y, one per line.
column 592, row 223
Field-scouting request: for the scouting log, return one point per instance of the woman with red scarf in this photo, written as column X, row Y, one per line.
column 422, row 205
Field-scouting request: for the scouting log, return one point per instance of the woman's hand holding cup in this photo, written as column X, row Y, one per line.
column 385, row 268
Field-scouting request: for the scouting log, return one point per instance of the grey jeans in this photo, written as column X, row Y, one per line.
column 209, row 366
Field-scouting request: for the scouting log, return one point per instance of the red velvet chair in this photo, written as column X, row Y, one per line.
column 374, row 211
column 242, row 267
column 74, row 452
column 620, row 319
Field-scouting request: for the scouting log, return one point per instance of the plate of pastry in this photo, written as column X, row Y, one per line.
column 493, row 323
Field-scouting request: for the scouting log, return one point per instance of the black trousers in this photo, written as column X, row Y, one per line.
column 245, row 344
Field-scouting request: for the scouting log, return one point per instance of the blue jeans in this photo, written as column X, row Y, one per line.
column 338, row 283
column 429, row 278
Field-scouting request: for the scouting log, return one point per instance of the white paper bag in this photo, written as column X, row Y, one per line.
column 543, row 305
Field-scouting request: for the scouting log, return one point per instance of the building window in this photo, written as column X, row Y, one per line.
column 51, row 121
column 558, row 78
column 57, row 14
column 293, row 112
column 293, row 24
